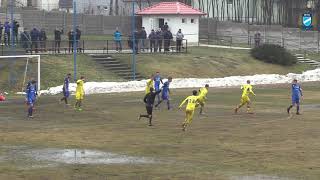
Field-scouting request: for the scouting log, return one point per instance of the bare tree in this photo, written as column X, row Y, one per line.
column 111, row 8
column 117, row 8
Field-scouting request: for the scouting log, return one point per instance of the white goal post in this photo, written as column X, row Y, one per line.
column 27, row 56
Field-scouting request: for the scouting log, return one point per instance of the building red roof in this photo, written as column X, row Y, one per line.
column 169, row 8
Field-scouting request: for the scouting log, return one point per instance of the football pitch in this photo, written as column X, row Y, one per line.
column 107, row 141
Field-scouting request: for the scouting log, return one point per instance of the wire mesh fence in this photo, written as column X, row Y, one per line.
column 244, row 35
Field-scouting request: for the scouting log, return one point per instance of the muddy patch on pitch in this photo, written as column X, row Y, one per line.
column 259, row 177
column 85, row 156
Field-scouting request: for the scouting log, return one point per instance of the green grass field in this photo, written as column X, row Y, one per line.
column 202, row 62
column 219, row 145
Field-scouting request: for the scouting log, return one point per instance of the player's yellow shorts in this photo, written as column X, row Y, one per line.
column 189, row 116
column 245, row 99
column 201, row 101
column 79, row 96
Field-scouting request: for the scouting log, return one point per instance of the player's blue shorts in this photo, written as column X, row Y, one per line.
column 157, row 86
column 295, row 99
column 165, row 97
column 31, row 101
column 66, row 94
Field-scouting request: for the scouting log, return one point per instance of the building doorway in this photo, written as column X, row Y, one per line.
column 161, row 22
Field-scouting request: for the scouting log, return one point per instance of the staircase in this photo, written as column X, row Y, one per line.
column 115, row 66
column 301, row 59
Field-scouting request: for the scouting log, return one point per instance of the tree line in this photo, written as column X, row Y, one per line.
column 285, row 12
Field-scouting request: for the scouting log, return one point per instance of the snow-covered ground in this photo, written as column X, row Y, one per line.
column 131, row 86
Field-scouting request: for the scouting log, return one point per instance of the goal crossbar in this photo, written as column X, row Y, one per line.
column 27, row 56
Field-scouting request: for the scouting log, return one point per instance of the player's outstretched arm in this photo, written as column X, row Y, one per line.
column 183, row 102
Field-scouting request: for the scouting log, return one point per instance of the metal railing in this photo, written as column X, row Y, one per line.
column 95, row 47
column 307, row 42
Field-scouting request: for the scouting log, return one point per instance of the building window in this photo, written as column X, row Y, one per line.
column 193, row 21
column 230, row 1
column 184, row 20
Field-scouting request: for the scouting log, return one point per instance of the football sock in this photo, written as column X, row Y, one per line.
column 30, row 111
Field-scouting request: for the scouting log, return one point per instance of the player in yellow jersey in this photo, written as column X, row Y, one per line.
column 79, row 94
column 245, row 99
column 191, row 106
column 203, row 97
column 149, row 84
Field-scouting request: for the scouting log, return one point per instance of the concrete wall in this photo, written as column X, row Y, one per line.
column 190, row 30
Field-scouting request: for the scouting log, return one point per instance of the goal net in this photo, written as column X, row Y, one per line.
column 17, row 71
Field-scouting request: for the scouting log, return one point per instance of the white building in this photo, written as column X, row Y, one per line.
column 177, row 15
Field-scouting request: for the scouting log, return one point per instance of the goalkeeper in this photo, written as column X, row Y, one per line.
column 31, row 96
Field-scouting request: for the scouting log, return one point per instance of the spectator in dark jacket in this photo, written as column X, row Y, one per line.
column 143, row 37
column 78, row 37
column 136, row 40
column 1, row 29
column 257, row 39
column 130, row 42
column 34, row 34
column 7, row 28
column 165, row 27
column 167, row 36
column 153, row 38
column 57, row 39
column 25, row 40
column 70, row 38
column 159, row 34
column 43, row 40
column 15, row 29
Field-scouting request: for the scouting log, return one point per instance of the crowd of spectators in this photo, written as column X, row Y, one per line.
column 35, row 40
column 159, row 40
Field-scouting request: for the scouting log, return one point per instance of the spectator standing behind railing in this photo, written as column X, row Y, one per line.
column 25, row 40
column 1, row 29
column 43, row 40
column 78, row 37
column 167, row 36
column 130, row 42
column 179, row 38
column 70, row 38
column 153, row 37
column 15, row 29
column 7, row 28
column 165, row 27
column 117, row 39
column 257, row 39
column 143, row 37
column 159, row 37
column 136, row 40
column 35, row 34
column 57, row 39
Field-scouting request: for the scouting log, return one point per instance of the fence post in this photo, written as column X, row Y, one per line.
column 107, row 46
column 300, row 40
column 83, row 46
column 186, row 46
column 318, row 42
